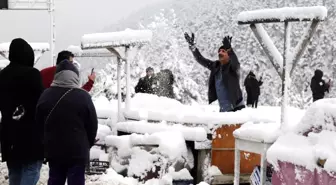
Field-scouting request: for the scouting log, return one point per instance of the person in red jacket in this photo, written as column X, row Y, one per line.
column 48, row 73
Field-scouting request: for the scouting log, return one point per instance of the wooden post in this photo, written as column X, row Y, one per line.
column 270, row 52
column 302, row 45
column 128, row 78
column 119, row 88
column 285, row 74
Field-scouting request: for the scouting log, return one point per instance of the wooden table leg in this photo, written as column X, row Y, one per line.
column 237, row 165
column 263, row 168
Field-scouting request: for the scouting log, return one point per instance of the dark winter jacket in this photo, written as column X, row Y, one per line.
column 21, row 86
column 166, row 81
column 318, row 85
column 71, row 128
column 230, row 77
column 252, row 85
column 146, row 85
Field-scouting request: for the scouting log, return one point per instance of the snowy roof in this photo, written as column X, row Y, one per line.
column 4, row 63
column 4, row 47
column 116, row 39
column 78, row 52
column 282, row 14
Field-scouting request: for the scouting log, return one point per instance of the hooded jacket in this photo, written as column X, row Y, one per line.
column 71, row 128
column 21, row 86
column 318, row 85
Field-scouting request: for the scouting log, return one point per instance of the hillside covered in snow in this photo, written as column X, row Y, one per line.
column 211, row 20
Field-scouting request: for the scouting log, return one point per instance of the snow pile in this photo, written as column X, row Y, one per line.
column 76, row 50
column 313, row 138
column 4, row 63
column 170, row 144
column 152, row 107
column 321, row 115
column 115, row 39
column 214, row 171
column 102, row 132
column 105, row 108
column 301, row 13
column 113, row 178
column 305, row 151
column 142, row 127
column 4, row 47
column 263, row 132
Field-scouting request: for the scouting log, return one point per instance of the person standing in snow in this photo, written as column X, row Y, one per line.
column 147, row 84
column 21, row 136
column 70, row 126
column 252, row 86
column 224, row 75
column 318, row 85
column 166, row 81
column 48, row 73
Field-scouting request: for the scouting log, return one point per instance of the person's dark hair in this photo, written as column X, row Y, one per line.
column 63, row 55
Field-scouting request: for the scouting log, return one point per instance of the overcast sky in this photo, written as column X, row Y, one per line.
column 73, row 19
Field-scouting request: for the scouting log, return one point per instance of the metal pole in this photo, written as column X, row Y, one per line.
column 52, row 32
column 285, row 75
column 128, row 78
column 119, row 88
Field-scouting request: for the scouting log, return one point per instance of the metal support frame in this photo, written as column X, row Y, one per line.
column 51, row 10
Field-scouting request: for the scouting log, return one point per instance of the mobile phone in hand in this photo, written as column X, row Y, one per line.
column 92, row 70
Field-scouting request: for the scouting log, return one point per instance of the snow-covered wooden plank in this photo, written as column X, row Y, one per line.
column 116, row 39
column 143, row 127
column 283, row 14
column 42, row 47
column 78, row 52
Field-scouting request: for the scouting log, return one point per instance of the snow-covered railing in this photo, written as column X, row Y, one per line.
column 116, row 39
column 78, row 52
column 40, row 48
column 113, row 41
column 283, row 14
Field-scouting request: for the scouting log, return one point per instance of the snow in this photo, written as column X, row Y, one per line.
column 301, row 13
column 170, row 143
column 312, row 139
column 320, row 115
column 214, row 171
column 263, row 132
column 115, row 39
column 142, row 127
column 4, row 63
column 102, row 132
column 180, row 175
column 105, row 108
column 4, row 47
column 152, row 107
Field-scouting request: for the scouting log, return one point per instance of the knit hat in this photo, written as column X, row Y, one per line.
column 66, row 75
column 66, row 65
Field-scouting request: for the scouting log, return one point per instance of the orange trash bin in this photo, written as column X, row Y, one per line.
column 222, row 154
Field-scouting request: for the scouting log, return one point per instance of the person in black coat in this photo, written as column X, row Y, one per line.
column 318, row 85
column 20, row 135
column 70, row 126
column 252, row 86
column 166, row 81
column 147, row 84
column 224, row 75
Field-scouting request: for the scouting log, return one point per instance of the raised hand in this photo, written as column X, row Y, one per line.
column 227, row 42
column 190, row 40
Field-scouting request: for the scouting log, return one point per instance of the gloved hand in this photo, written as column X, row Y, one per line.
column 190, row 40
column 227, row 42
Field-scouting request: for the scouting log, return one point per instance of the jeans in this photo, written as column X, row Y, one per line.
column 59, row 172
column 24, row 173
